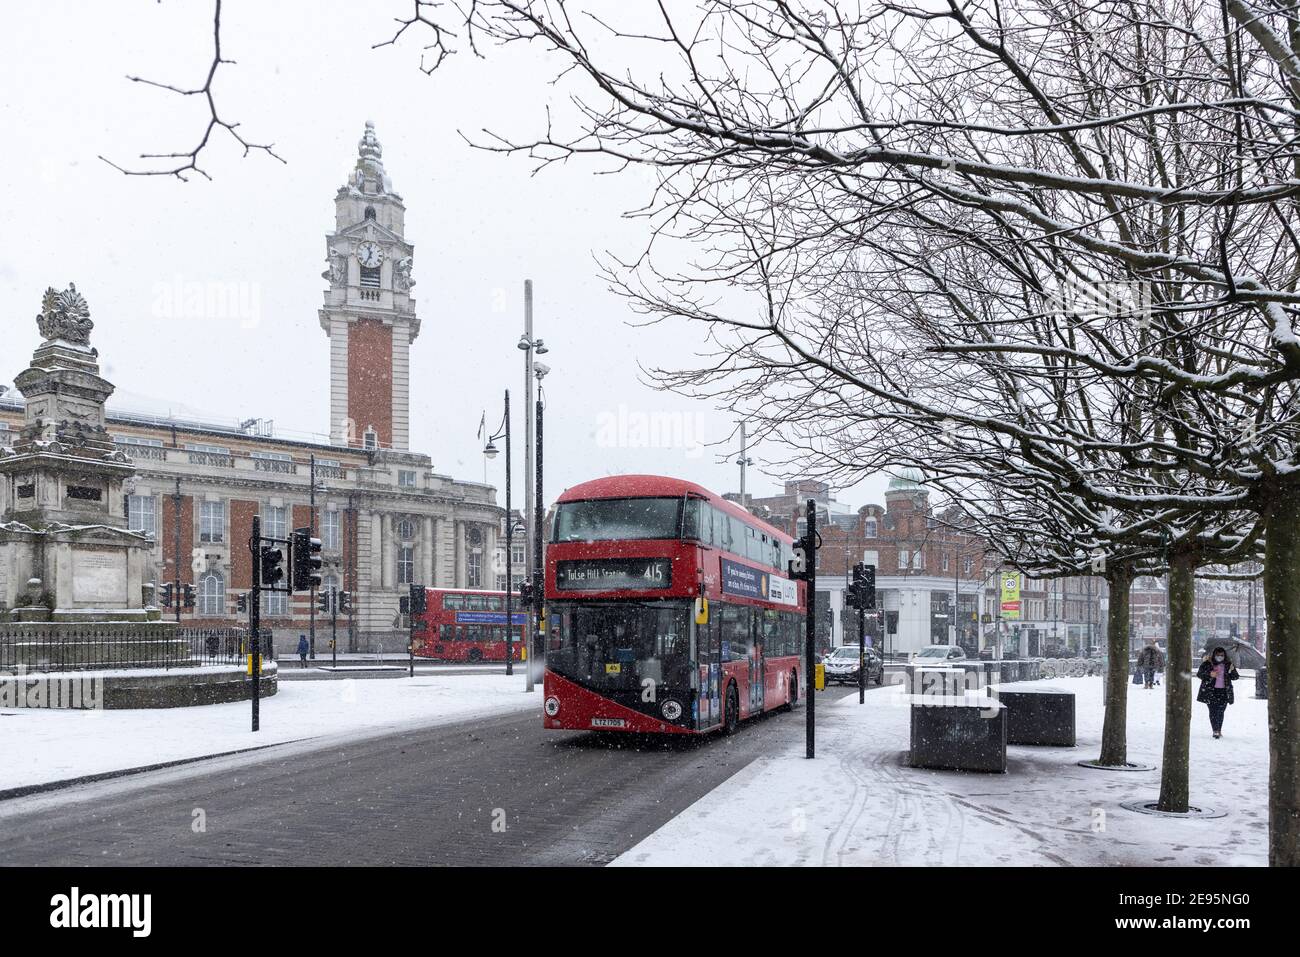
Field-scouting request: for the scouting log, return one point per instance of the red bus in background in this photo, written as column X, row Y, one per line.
column 467, row 625
column 668, row 610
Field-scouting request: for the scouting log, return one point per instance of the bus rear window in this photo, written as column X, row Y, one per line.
column 616, row 519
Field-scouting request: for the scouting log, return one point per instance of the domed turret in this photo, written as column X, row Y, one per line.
column 907, row 480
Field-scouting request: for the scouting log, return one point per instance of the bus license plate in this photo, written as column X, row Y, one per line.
column 613, row 669
column 608, row 723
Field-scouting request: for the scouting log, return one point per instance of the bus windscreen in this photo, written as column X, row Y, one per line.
column 618, row 519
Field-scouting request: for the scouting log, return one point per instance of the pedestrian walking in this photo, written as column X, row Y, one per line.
column 1217, row 673
column 1147, row 660
column 303, row 649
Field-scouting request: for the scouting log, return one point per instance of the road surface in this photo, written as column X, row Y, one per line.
column 489, row 791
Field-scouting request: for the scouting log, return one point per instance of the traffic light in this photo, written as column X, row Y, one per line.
column 165, row 595
column 323, row 602
column 526, row 592
column 187, row 595
column 306, row 560
column 241, row 602
column 272, row 565
column 345, row 603
column 862, row 590
column 417, row 600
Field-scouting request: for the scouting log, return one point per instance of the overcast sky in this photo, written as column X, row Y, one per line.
column 307, row 79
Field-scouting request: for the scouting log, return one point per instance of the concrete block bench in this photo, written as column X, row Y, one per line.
column 1039, row 716
column 967, row 733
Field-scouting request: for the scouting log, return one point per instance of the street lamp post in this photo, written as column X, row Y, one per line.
column 536, row 646
column 530, row 346
column 744, row 461
column 491, row 452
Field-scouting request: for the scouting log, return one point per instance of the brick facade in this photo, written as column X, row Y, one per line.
column 370, row 380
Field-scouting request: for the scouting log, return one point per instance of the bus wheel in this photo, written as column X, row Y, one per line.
column 732, row 718
column 475, row 654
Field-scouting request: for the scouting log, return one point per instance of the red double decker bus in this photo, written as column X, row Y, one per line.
column 467, row 625
column 667, row 610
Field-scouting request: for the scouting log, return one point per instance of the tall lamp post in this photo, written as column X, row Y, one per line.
column 744, row 461
column 490, row 450
column 536, row 647
column 530, row 347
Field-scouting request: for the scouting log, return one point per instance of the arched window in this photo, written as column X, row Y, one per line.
column 370, row 212
column 212, row 595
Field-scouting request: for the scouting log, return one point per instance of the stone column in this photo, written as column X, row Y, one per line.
column 426, row 550
column 378, row 552
column 489, row 556
column 460, row 555
column 389, row 545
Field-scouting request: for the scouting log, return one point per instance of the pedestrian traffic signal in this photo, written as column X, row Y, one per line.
column 323, row 602
column 165, row 596
column 345, row 603
column 187, row 595
column 272, row 565
column 241, row 602
column 418, row 604
column 306, row 560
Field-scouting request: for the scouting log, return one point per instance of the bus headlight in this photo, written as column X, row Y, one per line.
column 552, row 707
column 671, row 710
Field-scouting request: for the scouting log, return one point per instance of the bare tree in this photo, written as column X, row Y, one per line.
column 187, row 162
column 812, row 150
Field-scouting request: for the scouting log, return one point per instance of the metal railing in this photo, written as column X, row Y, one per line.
column 216, row 646
column 46, row 647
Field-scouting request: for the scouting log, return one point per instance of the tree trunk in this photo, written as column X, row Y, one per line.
column 1178, row 684
column 1282, row 611
column 1114, row 733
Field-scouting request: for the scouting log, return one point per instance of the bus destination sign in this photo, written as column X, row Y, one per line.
column 610, row 574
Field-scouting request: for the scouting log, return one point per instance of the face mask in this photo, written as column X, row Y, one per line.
column 1218, row 657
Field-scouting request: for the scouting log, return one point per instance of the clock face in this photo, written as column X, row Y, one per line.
column 370, row 255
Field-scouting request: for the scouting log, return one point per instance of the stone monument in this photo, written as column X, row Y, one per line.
column 73, row 612
column 66, row 553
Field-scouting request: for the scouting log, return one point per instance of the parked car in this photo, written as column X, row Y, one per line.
column 939, row 654
column 842, row 665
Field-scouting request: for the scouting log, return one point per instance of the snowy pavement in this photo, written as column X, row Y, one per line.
column 858, row 804
column 44, row 745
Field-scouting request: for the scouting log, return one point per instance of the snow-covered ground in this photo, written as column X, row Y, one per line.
column 857, row 804
column 44, row 745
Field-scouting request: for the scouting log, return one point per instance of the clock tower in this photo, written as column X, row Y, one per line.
column 369, row 313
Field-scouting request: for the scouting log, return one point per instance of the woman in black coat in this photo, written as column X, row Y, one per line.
column 1217, row 673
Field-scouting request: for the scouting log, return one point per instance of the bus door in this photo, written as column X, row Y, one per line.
column 708, row 673
column 756, row 683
